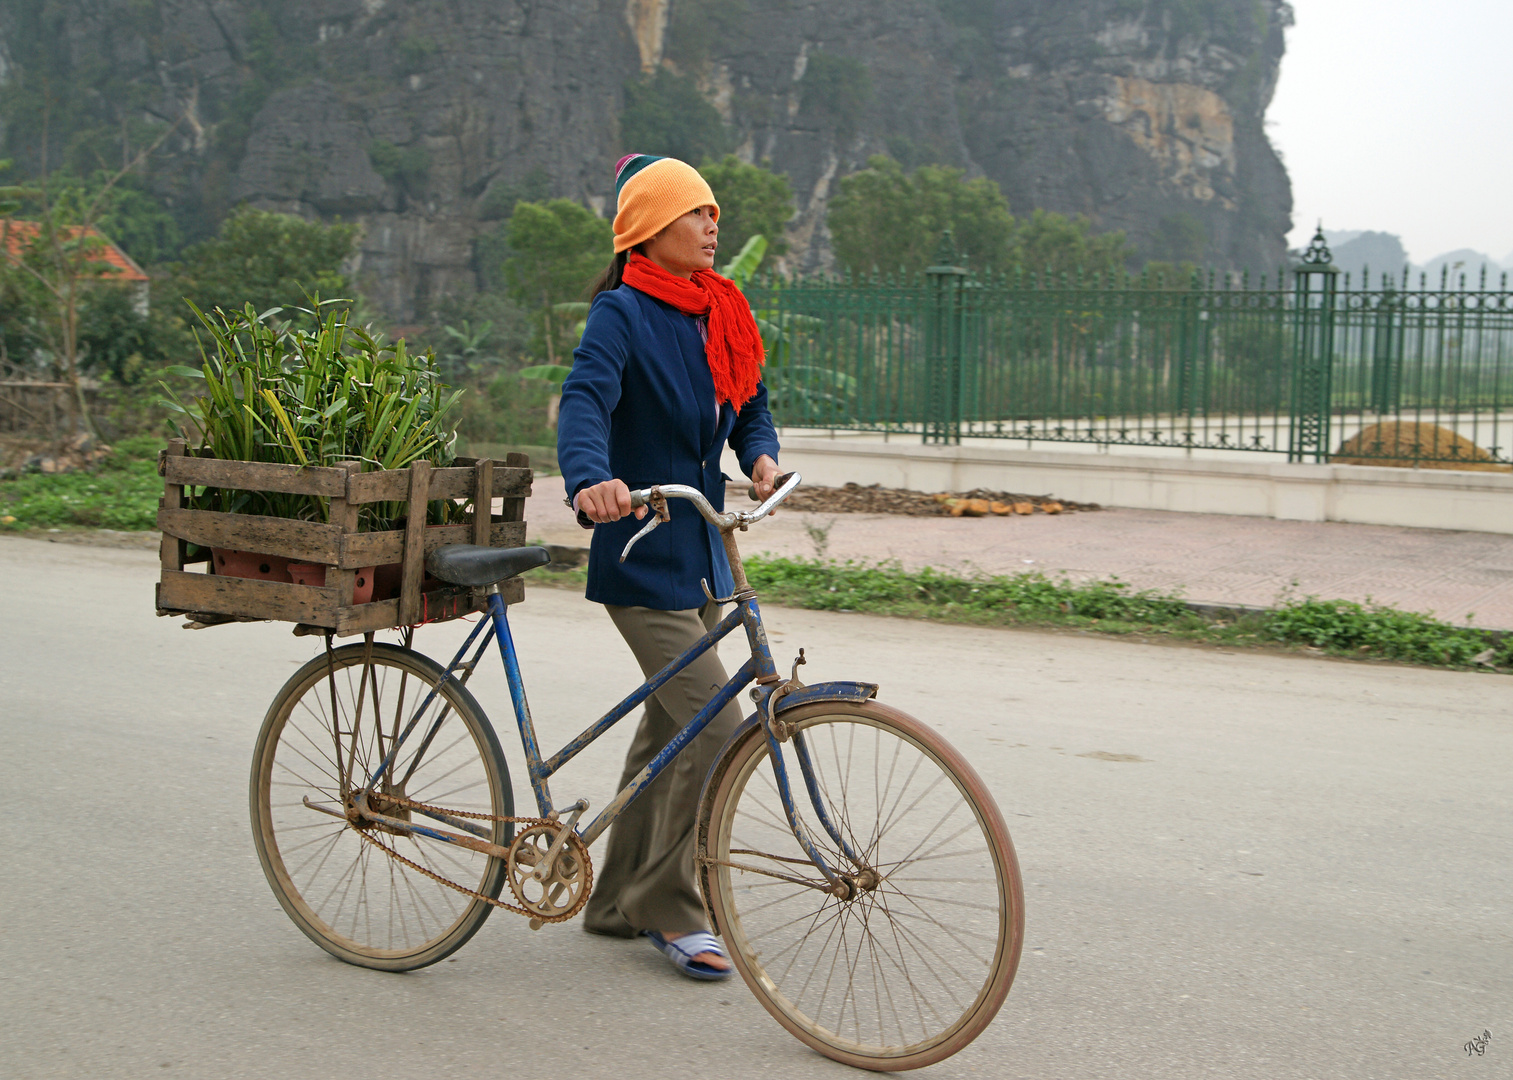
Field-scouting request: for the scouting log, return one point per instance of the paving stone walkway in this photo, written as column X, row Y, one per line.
column 1213, row 558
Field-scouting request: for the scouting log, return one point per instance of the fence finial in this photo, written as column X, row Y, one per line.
column 1318, row 253
column 945, row 251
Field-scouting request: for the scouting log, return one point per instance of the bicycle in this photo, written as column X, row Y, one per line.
column 829, row 902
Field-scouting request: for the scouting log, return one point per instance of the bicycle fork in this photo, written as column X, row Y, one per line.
column 842, row 885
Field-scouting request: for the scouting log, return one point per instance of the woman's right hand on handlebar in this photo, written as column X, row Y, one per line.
column 609, row 501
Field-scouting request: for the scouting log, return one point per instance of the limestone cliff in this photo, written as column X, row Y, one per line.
column 423, row 119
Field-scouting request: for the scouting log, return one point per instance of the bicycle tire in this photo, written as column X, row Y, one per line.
column 397, row 919
column 770, row 924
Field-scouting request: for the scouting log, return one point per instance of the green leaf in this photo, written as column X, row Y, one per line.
column 744, row 265
column 552, row 373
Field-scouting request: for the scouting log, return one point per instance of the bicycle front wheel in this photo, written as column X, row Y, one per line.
column 913, row 965
column 326, row 732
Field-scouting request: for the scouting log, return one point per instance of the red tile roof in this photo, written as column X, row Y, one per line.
column 17, row 236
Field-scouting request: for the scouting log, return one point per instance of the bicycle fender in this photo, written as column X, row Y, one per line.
column 854, row 692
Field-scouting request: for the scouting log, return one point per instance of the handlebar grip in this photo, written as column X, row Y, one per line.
column 751, row 492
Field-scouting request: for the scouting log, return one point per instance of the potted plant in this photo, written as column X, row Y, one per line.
column 310, row 395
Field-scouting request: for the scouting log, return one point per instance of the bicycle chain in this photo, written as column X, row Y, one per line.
column 528, row 822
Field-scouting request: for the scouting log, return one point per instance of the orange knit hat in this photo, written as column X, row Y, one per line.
column 652, row 192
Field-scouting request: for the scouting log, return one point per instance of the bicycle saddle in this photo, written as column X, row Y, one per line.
column 467, row 564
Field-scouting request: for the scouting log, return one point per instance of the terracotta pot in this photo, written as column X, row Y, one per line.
column 315, row 574
column 249, row 564
column 388, row 578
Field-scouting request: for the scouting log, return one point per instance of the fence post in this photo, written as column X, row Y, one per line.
column 943, row 345
column 1313, row 352
column 1387, row 354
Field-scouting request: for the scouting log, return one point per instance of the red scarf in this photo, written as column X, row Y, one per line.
column 734, row 348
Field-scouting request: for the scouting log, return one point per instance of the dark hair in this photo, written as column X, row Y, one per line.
column 610, row 276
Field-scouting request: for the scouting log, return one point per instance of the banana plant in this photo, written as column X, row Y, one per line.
column 743, row 267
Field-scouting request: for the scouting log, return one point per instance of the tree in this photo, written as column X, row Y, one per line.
column 754, row 201
column 268, row 260
column 58, row 258
column 883, row 219
column 1057, row 244
column 556, row 248
column 666, row 115
column 886, row 219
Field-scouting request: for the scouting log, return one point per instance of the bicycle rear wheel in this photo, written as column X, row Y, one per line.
column 325, row 733
column 914, row 965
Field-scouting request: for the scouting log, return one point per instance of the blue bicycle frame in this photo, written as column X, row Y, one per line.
column 759, row 668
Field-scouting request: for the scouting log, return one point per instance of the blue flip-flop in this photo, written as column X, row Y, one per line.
column 683, row 950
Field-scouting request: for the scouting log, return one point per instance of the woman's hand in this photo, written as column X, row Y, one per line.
column 763, row 473
column 609, row 501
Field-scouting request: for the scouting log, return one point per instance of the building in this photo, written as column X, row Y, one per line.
column 114, row 265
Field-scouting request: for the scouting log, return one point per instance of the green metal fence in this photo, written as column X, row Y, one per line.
column 1298, row 364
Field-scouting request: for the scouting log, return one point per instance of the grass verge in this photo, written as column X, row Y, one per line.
column 1336, row 627
column 121, row 492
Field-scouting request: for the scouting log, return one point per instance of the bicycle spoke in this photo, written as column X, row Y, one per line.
column 333, row 731
column 901, row 964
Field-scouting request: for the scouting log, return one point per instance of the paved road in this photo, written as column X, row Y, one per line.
column 1237, row 865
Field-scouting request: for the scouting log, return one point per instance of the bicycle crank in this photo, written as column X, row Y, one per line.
column 556, row 899
column 561, row 891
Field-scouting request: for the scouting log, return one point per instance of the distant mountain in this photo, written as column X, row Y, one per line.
column 1337, row 237
column 1461, row 261
column 1382, row 252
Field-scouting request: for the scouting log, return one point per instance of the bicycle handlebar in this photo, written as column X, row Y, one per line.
column 730, row 519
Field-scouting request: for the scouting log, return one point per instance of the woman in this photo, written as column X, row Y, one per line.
column 668, row 371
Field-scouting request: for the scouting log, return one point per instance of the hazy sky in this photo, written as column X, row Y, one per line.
column 1396, row 115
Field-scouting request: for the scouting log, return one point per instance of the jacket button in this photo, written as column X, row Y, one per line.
column 703, row 464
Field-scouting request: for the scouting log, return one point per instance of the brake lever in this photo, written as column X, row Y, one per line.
column 658, row 503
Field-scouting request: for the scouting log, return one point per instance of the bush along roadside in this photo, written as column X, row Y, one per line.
column 1336, row 627
column 120, row 492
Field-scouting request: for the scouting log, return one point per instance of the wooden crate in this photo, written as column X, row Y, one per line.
column 210, row 598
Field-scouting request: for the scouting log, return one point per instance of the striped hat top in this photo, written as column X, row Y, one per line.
column 651, row 192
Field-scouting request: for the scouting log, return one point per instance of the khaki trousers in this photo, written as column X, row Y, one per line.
column 647, row 881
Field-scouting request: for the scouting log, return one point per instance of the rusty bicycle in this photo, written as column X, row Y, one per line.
column 861, row 874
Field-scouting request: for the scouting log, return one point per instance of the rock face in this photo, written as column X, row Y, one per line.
column 423, row 119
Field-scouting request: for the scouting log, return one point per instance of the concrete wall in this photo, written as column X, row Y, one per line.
column 1263, row 487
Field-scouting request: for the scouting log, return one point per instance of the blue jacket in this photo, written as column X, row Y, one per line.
column 639, row 406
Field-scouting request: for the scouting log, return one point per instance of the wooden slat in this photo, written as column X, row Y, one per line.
column 415, row 547
column 483, row 501
column 171, row 549
column 439, row 606
column 302, row 541
column 393, row 485
column 382, row 548
column 248, row 597
column 344, row 516
column 255, row 476
column 513, row 507
column 385, row 485
column 460, row 483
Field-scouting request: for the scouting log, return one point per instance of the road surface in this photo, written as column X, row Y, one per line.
column 1236, row 865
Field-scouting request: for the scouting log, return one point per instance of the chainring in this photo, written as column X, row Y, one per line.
column 562, row 894
column 574, row 869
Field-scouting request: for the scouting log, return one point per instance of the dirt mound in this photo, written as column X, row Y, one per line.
column 876, row 499
column 1404, row 444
